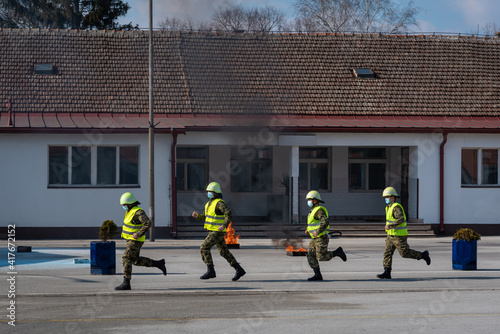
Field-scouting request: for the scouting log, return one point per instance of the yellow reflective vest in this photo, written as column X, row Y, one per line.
column 399, row 230
column 313, row 224
column 128, row 229
column 212, row 220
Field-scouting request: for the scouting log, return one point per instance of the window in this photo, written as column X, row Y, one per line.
column 251, row 169
column 93, row 165
column 363, row 73
column 191, row 168
column 314, row 167
column 480, row 167
column 44, row 69
column 367, row 167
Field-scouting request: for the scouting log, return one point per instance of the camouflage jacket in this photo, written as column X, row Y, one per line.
column 140, row 217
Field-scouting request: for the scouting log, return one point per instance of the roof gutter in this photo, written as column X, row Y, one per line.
column 441, row 181
column 304, row 129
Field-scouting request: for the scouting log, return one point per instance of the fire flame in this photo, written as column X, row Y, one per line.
column 230, row 237
column 290, row 248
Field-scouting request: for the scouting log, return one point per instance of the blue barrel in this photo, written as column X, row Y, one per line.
column 464, row 254
column 102, row 258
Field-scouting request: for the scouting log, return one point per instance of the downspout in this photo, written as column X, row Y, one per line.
column 9, row 109
column 441, row 181
column 174, row 184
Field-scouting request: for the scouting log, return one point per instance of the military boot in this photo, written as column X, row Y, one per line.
column 210, row 273
column 239, row 272
column 160, row 265
column 340, row 253
column 386, row 274
column 125, row 285
column 317, row 275
column 426, row 257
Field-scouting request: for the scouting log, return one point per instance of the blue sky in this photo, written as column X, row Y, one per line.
column 451, row 16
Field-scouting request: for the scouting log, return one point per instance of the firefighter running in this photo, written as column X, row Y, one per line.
column 217, row 217
column 135, row 225
column 318, row 227
column 397, row 234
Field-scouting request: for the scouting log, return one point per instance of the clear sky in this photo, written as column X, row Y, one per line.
column 451, row 16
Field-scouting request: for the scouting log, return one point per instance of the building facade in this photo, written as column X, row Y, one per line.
column 269, row 117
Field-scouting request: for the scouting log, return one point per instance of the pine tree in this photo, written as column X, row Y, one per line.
column 64, row 14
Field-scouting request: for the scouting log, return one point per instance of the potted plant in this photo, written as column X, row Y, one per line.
column 103, row 253
column 464, row 249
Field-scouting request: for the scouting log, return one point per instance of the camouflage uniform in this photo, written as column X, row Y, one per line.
column 131, row 255
column 216, row 238
column 318, row 247
column 400, row 243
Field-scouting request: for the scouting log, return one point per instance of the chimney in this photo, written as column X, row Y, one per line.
column 497, row 35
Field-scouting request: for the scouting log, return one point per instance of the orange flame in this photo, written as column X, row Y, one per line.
column 230, row 237
column 290, row 248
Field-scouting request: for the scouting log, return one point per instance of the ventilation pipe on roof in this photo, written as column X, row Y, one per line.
column 441, row 181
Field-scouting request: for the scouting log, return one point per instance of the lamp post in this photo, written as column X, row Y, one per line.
column 151, row 129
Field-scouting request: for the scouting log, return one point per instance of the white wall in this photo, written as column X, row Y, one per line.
column 28, row 202
column 468, row 205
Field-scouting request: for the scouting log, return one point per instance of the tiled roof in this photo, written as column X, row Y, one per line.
column 285, row 74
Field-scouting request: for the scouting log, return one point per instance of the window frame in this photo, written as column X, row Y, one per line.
column 93, row 168
column 251, row 156
column 366, row 162
column 309, row 161
column 186, row 161
column 479, row 168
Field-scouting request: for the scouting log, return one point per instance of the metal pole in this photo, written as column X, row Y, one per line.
column 151, row 129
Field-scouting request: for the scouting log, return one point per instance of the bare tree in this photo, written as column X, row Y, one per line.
column 327, row 15
column 385, row 15
column 304, row 24
column 230, row 19
column 185, row 24
column 490, row 29
column 237, row 17
column 358, row 15
column 265, row 19
column 176, row 24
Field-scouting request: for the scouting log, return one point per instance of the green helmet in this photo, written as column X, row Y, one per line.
column 127, row 198
column 390, row 191
column 314, row 194
column 215, row 187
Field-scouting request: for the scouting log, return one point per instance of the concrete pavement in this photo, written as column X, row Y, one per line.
column 50, row 269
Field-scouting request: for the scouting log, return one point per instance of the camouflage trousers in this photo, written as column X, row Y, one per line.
column 318, row 251
column 131, row 257
column 394, row 242
column 216, row 238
